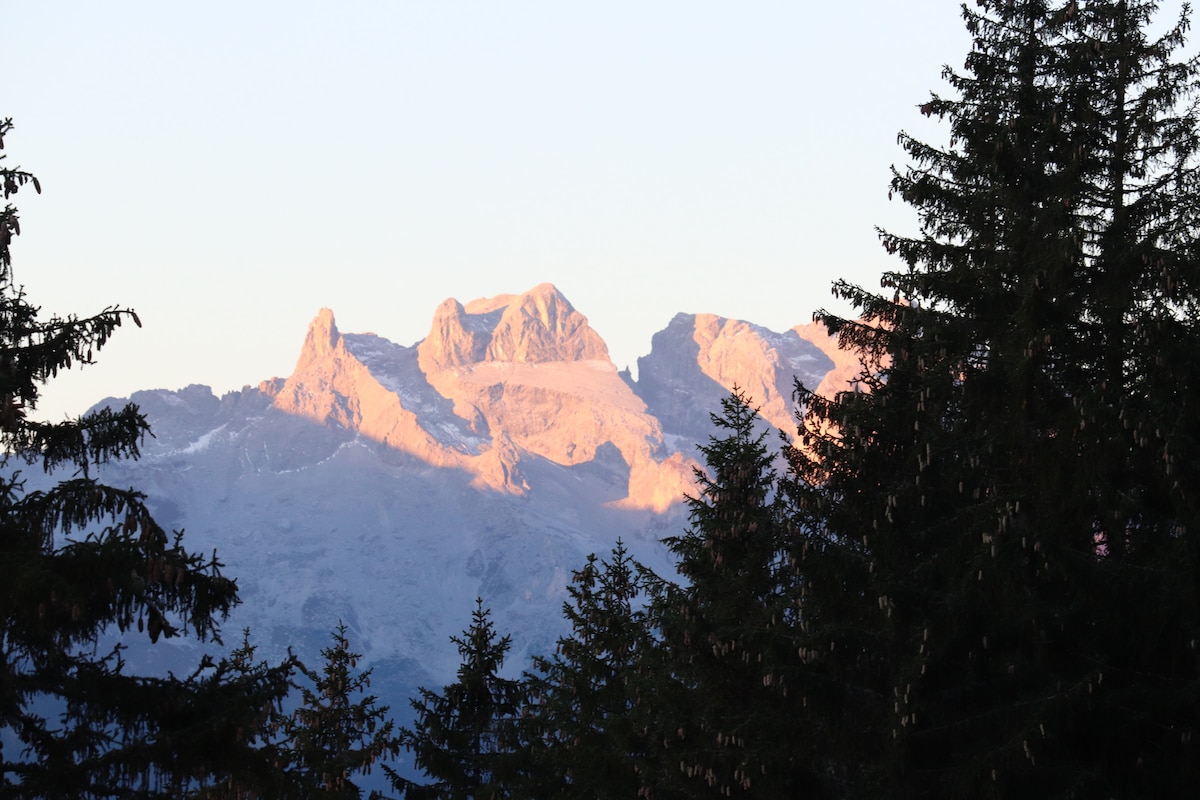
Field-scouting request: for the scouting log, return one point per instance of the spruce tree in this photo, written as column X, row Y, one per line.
column 82, row 561
column 728, row 718
column 998, row 536
column 464, row 737
column 581, row 736
column 269, row 774
column 338, row 732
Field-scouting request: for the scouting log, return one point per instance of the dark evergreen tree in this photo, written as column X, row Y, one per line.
column 271, row 776
column 73, row 721
column 338, row 732
column 581, row 736
column 998, row 536
column 463, row 738
column 728, row 719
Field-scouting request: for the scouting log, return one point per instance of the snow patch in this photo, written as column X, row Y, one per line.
column 201, row 444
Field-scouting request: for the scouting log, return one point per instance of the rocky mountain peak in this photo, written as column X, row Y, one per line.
column 537, row 327
column 318, row 366
column 322, row 338
column 477, row 396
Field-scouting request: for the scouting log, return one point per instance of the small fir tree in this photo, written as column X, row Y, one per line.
column 463, row 737
column 580, row 732
column 338, row 732
column 267, row 775
column 728, row 713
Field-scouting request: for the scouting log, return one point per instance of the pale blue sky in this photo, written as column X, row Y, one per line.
column 228, row 168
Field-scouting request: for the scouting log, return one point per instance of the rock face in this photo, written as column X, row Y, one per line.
column 537, row 327
column 369, row 386
column 387, row 485
column 846, row 366
column 698, row 359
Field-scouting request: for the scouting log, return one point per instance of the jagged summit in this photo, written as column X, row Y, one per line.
column 478, row 392
column 322, row 335
column 476, row 396
column 539, row 326
column 504, row 382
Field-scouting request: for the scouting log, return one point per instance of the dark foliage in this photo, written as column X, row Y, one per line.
column 999, row 536
column 730, row 718
column 580, row 731
column 464, row 736
column 82, row 561
column 338, row 732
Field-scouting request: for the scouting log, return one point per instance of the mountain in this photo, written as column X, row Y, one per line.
column 387, row 486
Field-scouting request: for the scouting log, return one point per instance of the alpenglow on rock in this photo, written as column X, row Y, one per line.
column 496, row 383
column 537, row 327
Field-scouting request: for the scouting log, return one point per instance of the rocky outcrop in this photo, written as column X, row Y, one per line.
column 699, row 358
column 332, row 386
column 530, row 366
column 565, row 413
column 537, row 327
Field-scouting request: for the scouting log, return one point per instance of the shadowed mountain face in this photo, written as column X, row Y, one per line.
column 387, row 486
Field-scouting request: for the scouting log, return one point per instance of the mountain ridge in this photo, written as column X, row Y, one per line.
column 387, row 485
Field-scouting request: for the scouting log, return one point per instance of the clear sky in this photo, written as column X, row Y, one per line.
column 227, row 168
